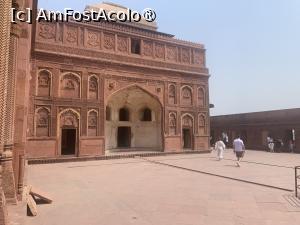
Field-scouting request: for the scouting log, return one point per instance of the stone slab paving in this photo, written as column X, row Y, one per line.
column 134, row 191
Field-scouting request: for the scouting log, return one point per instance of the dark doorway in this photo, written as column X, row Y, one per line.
column 68, row 141
column 124, row 137
column 187, row 138
column 124, row 114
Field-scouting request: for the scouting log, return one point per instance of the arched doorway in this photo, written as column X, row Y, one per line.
column 135, row 120
column 187, row 131
column 68, row 132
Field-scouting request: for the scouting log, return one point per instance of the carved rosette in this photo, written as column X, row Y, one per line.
column 185, row 55
column 109, row 42
column 93, row 39
column 148, row 48
column 198, row 57
column 47, row 31
column 171, row 53
column 71, row 35
column 122, row 44
column 159, row 51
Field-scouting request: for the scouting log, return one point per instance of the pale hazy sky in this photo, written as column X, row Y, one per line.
column 253, row 46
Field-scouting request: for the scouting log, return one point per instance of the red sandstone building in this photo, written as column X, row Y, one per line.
column 78, row 89
column 254, row 128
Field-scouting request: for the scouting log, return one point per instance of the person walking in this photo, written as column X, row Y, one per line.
column 220, row 147
column 291, row 146
column 238, row 149
column 270, row 144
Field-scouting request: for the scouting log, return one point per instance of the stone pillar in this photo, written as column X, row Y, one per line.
column 3, row 210
column 7, row 156
column 5, row 6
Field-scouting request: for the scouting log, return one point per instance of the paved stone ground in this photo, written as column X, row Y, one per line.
column 136, row 191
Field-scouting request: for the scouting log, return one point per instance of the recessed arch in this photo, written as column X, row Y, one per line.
column 186, row 95
column 93, row 86
column 42, row 121
column 136, row 133
column 44, row 82
column 70, row 85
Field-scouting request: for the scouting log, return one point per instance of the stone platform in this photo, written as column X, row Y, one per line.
column 193, row 189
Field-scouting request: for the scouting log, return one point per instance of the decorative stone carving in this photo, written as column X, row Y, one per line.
column 47, row 30
column 92, row 123
column 187, row 121
column 201, row 97
column 111, row 85
column 69, row 119
column 71, row 34
column 70, row 86
column 122, row 44
column 93, row 39
column 198, row 57
column 172, row 94
column 42, row 122
column 171, row 53
column 185, row 55
column 93, row 87
column 186, row 96
column 109, row 41
column 172, row 123
column 44, row 83
column 201, row 124
column 148, row 48
column 159, row 51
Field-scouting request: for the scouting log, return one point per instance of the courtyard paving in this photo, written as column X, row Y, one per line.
column 143, row 192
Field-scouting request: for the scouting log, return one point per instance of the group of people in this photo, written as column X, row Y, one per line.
column 238, row 149
column 277, row 144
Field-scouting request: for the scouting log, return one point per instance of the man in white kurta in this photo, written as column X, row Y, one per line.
column 238, row 149
column 220, row 147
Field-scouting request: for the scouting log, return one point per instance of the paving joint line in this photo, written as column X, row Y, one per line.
column 217, row 175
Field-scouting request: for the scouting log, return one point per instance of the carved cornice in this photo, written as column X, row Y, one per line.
column 104, row 56
column 159, row 36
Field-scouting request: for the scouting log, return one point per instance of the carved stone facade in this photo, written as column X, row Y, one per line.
column 159, row 82
column 81, row 88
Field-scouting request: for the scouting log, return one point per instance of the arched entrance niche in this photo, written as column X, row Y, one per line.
column 68, row 132
column 135, row 120
column 187, row 125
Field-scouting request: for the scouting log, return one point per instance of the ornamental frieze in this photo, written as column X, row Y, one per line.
column 148, row 48
column 185, row 55
column 171, row 53
column 98, row 55
column 122, row 44
column 93, row 39
column 109, row 41
column 198, row 57
column 159, row 51
column 71, row 35
column 47, row 30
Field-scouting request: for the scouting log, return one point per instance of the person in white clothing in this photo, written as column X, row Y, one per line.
column 238, row 149
column 220, row 147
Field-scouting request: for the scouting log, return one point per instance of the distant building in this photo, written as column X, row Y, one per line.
column 255, row 127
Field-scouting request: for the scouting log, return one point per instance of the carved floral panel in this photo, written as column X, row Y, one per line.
column 171, row 53
column 122, row 44
column 109, row 42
